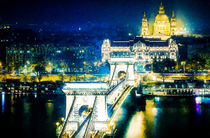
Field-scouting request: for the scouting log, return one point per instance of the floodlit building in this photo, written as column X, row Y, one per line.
column 143, row 50
column 162, row 28
column 147, row 47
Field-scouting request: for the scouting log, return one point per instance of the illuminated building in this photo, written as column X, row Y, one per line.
column 144, row 26
column 143, row 50
column 147, row 47
column 17, row 56
column 163, row 28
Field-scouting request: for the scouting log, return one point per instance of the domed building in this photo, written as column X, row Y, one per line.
column 162, row 28
column 150, row 46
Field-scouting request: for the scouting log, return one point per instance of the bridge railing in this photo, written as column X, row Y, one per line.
column 119, row 98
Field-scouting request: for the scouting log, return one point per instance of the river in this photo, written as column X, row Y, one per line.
column 28, row 116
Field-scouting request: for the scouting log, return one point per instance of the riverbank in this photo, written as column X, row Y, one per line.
column 17, row 87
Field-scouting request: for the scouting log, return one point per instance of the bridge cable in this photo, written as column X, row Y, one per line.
column 91, row 117
column 81, row 126
column 126, row 73
column 70, row 110
column 113, row 74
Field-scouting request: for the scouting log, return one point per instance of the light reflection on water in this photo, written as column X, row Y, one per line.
column 163, row 116
column 136, row 126
column 12, row 101
column 2, row 101
column 141, row 120
column 200, row 100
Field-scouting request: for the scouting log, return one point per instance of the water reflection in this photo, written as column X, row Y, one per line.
column 136, row 127
column 163, row 116
column 143, row 121
column 12, row 101
column 2, row 101
column 27, row 107
column 28, row 116
column 49, row 108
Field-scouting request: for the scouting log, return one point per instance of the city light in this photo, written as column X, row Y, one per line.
column 103, row 73
column 198, row 100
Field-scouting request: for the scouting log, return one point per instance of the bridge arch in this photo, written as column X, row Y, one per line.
column 121, row 75
column 122, row 65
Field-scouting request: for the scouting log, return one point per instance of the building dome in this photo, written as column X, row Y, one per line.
column 161, row 17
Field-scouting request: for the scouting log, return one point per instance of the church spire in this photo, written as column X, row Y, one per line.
column 173, row 14
column 144, row 26
column 144, row 15
column 161, row 9
column 173, row 24
column 161, row 3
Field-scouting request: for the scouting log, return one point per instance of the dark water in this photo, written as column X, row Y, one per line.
column 165, row 117
column 28, row 116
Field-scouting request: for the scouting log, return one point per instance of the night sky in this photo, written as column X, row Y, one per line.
column 102, row 13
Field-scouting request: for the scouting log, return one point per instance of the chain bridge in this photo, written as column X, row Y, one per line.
column 91, row 107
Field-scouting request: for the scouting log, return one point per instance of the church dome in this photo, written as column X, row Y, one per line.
column 162, row 17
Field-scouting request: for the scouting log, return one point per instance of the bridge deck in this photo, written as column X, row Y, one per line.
column 86, row 88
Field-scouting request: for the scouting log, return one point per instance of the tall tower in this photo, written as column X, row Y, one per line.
column 173, row 24
column 144, row 26
column 105, row 50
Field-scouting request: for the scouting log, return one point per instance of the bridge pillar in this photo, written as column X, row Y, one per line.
column 100, row 116
column 122, row 65
column 74, row 118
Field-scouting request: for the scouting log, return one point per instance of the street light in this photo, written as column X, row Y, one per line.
column 62, row 119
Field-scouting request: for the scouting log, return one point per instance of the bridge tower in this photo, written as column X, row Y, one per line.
column 125, row 65
column 90, row 94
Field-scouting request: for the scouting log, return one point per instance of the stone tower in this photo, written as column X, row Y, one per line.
column 144, row 26
column 173, row 24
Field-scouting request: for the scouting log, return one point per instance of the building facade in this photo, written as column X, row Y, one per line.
column 143, row 50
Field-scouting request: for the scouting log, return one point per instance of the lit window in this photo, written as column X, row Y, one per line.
column 58, row 51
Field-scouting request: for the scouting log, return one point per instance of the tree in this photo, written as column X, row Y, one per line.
column 39, row 69
column 206, row 56
column 196, row 63
column 61, row 75
column 163, row 66
column 169, row 64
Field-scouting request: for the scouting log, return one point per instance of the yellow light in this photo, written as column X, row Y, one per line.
column 136, row 126
column 57, row 123
column 62, row 119
column 95, row 63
